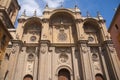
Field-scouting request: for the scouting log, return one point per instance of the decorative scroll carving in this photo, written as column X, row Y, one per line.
column 43, row 48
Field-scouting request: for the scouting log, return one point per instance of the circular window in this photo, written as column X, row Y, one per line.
column 90, row 39
column 33, row 38
column 62, row 36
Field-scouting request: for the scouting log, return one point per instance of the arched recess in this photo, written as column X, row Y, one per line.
column 99, row 77
column 64, row 74
column 28, row 77
column 63, row 28
column 32, row 30
column 92, row 30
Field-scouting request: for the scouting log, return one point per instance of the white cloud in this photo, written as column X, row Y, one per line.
column 30, row 6
column 53, row 3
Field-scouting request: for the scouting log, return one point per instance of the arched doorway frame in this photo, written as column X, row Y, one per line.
column 64, row 67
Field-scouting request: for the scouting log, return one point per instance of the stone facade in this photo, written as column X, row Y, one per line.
column 60, row 45
column 8, row 14
column 114, row 31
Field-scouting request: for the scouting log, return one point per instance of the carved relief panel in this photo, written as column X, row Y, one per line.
column 63, row 29
column 63, row 54
column 31, row 59
column 95, row 59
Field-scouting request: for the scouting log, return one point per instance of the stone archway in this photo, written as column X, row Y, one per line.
column 64, row 74
column 28, row 77
column 99, row 77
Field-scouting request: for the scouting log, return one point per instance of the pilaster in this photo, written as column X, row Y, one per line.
column 111, row 59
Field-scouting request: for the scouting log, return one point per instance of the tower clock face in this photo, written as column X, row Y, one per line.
column 33, row 38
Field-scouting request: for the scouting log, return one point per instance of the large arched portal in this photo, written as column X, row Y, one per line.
column 32, row 31
column 62, row 25
column 64, row 74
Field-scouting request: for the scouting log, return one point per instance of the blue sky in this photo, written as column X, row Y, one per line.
column 105, row 7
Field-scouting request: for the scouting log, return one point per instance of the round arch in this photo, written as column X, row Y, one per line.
column 33, row 20
column 63, row 67
column 64, row 74
column 62, row 11
column 92, row 27
column 99, row 77
column 28, row 77
column 92, row 21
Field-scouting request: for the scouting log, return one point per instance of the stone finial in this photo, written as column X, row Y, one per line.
column 99, row 16
column 88, row 15
column 76, row 6
column 35, row 13
column 46, row 6
column 24, row 13
column 61, row 4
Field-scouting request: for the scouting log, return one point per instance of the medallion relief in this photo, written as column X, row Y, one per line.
column 63, row 57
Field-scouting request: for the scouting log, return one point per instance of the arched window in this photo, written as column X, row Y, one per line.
column 28, row 77
column 64, row 74
column 99, row 77
column 91, row 28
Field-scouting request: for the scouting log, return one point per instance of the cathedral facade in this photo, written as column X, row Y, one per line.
column 60, row 45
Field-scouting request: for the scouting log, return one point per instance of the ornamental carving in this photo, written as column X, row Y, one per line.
column 111, row 48
column 30, row 49
column 62, row 50
column 63, row 57
column 90, row 39
column 43, row 48
column 97, row 66
column 94, row 57
column 84, row 48
column 33, row 38
column 62, row 36
column 31, row 57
